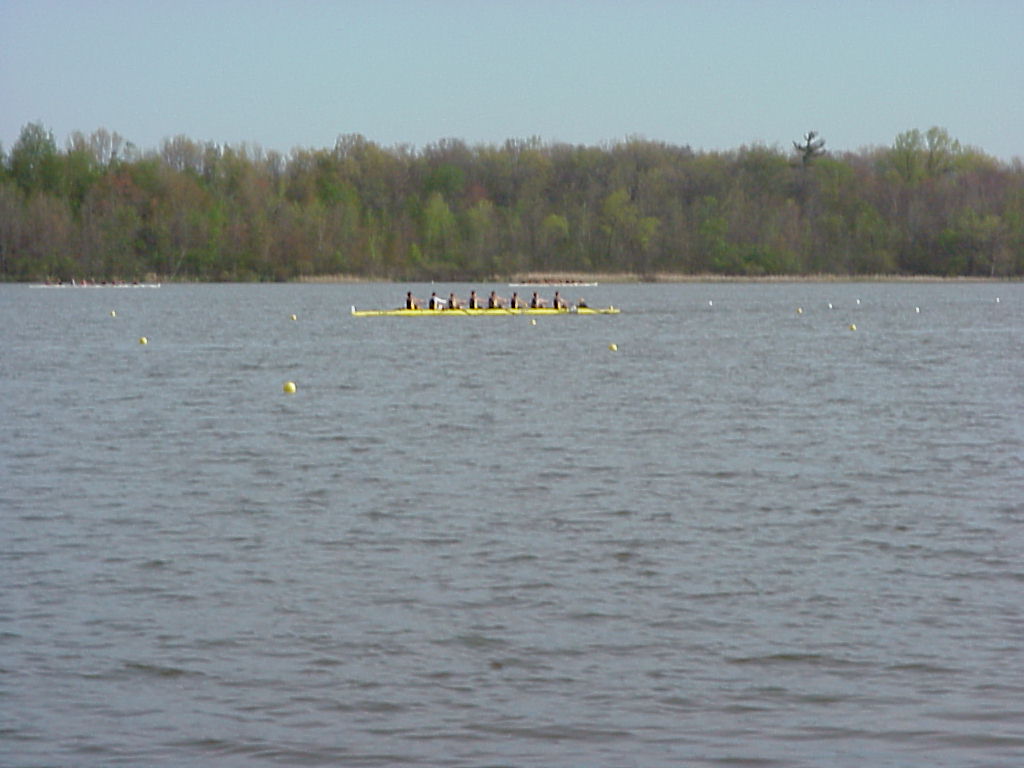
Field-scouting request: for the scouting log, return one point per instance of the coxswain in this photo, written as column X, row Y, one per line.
column 453, row 301
column 514, row 302
column 410, row 301
column 474, row 302
column 582, row 303
column 536, row 302
column 494, row 301
column 435, row 301
column 558, row 302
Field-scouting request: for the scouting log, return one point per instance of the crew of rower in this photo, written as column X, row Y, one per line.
column 557, row 302
column 494, row 301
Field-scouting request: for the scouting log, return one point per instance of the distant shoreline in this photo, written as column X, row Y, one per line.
column 568, row 279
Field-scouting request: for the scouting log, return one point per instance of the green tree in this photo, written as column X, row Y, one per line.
column 627, row 231
column 12, row 224
column 941, row 152
column 716, row 252
column 80, row 171
column 554, row 241
column 440, row 235
column 483, row 242
column 34, row 162
column 906, row 158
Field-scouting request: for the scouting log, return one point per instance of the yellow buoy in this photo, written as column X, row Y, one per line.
column 143, row 340
column 113, row 313
column 799, row 310
column 289, row 387
column 613, row 347
column 853, row 327
column 294, row 317
column 533, row 321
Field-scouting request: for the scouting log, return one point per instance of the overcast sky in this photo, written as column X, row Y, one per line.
column 712, row 75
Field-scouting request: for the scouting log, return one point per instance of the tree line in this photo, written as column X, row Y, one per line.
column 101, row 208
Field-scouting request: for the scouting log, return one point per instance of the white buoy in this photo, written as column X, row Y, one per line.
column 917, row 310
column 830, row 305
column 711, row 303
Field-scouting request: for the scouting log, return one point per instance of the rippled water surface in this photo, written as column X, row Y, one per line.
column 751, row 536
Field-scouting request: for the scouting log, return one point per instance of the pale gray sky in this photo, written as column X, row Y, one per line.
column 711, row 74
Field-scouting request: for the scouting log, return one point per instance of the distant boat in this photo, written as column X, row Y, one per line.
column 552, row 284
column 87, row 284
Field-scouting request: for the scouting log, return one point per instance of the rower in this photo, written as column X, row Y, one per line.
column 536, row 302
column 514, row 302
column 474, row 302
column 558, row 302
column 582, row 303
column 494, row 301
column 435, row 301
column 453, row 302
column 411, row 302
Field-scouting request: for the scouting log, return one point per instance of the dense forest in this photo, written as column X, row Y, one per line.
column 102, row 209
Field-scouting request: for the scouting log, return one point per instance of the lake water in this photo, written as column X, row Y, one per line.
column 751, row 536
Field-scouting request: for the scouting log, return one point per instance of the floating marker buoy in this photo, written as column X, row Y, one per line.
column 917, row 310
column 294, row 317
column 289, row 387
column 143, row 340
column 533, row 321
column 613, row 347
column 830, row 305
column 853, row 327
column 997, row 299
column 799, row 310
column 858, row 301
column 711, row 303
column 113, row 313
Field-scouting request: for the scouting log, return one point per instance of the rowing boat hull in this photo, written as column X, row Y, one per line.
column 485, row 312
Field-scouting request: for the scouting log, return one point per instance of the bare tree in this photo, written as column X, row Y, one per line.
column 811, row 148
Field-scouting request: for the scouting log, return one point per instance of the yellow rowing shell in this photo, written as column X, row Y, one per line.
column 496, row 312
